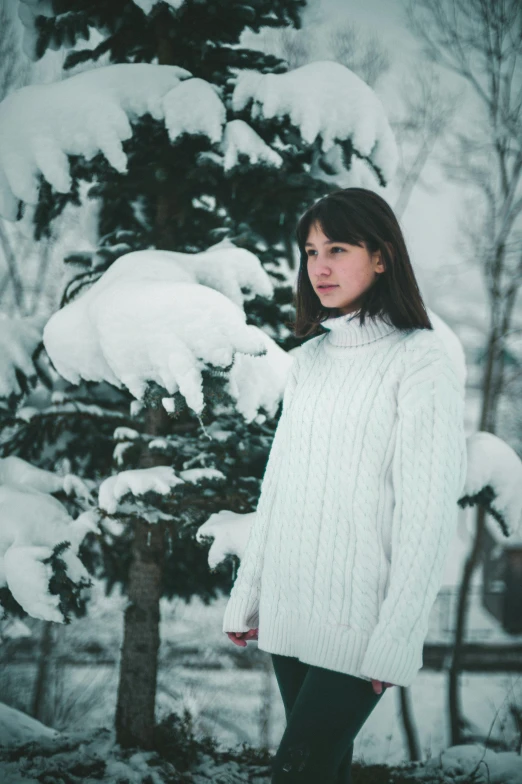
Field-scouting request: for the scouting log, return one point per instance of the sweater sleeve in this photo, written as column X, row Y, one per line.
column 242, row 610
column 428, row 469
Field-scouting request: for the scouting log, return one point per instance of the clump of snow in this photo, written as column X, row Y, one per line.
column 119, row 450
column 491, row 461
column 169, row 404
column 323, row 99
column 32, row 523
column 158, row 479
column 140, row 481
column 239, row 137
column 162, row 316
column 125, row 434
column 15, row 471
column 159, row 443
column 195, row 475
column 19, row 338
column 229, row 530
column 195, row 108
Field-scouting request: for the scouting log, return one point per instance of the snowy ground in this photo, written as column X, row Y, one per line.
column 224, row 686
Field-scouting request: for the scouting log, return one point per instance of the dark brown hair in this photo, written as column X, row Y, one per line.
column 360, row 217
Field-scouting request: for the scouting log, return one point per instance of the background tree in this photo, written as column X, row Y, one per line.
column 481, row 41
column 425, row 119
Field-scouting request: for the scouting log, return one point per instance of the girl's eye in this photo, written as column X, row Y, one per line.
column 333, row 248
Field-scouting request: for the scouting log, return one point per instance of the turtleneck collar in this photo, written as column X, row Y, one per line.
column 346, row 331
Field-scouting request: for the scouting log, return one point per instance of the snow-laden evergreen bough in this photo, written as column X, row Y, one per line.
column 36, row 530
column 163, row 317
column 92, row 112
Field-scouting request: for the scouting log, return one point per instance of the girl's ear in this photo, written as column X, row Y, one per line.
column 381, row 266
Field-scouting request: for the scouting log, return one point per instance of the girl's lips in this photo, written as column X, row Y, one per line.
column 327, row 288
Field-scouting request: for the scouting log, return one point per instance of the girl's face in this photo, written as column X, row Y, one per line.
column 349, row 269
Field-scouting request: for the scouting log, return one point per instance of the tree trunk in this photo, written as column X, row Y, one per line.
column 265, row 715
column 135, row 711
column 39, row 702
column 408, row 722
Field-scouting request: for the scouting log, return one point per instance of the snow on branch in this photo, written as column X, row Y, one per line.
column 91, row 112
column 494, row 479
column 136, row 482
column 164, row 317
column 325, row 100
column 40, row 125
column 32, row 524
column 15, row 471
column 19, row 338
column 229, row 531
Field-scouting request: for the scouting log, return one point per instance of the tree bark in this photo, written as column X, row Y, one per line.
column 39, row 701
column 135, row 710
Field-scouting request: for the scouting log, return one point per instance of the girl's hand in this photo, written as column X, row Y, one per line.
column 377, row 685
column 240, row 638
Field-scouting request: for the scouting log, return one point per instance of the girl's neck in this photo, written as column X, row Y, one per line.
column 347, row 331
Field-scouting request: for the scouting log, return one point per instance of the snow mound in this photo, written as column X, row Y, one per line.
column 163, row 317
column 467, row 763
column 17, row 727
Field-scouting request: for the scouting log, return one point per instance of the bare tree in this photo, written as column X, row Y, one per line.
column 12, row 75
column 426, row 116
column 481, row 41
column 364, row 54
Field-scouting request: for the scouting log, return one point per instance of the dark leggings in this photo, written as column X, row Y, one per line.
column 324, row 711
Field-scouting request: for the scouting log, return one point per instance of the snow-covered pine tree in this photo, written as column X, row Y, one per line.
column 213, row 141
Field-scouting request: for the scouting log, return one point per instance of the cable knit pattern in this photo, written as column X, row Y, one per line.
column 358, row 503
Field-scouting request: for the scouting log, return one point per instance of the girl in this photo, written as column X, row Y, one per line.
column 359, row 497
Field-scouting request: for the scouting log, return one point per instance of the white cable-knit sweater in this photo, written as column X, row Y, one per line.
column 358, row 502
